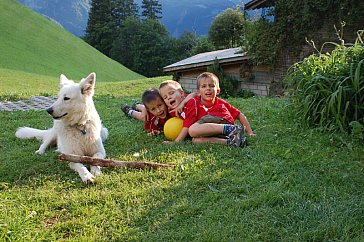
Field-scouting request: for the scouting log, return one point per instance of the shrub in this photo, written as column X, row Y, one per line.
column 328, row 89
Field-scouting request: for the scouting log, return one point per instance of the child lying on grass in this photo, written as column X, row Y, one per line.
column 153, row 112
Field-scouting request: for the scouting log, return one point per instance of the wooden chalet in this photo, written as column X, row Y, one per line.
column 262, row 80
column 256, row 79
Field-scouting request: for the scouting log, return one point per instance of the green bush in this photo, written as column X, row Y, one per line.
column 328, row 89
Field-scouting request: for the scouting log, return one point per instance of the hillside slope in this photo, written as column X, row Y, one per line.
column 29, row 42
column 177, row 16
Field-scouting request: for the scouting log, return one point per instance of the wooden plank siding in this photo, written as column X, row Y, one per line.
column 186, row 71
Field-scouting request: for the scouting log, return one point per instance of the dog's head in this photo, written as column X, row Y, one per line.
column 74, row 99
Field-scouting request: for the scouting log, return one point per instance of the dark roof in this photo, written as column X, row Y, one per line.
column 207, row 58
column 256, row 4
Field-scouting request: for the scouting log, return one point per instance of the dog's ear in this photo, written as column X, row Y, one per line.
column 64, row 81
column 88, row 84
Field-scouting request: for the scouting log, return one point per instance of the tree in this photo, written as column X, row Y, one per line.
column 152, row 9
column 123, row 9
column 227, row 29
column 123, row 45
column 105, row 19
column 184, row 44
column 143, row 46
column 203, row 45
column 100, row 29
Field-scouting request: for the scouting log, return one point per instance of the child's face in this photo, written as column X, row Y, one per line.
column 158, row 108
column 208, row 89
column 171, row 96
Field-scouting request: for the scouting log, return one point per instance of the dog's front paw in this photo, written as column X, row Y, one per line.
column 95, row 170
column 40, row 152
column 87, row 178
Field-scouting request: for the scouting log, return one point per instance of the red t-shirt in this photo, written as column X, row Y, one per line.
column 189, row 113
column 221, row 109
column 154, row 123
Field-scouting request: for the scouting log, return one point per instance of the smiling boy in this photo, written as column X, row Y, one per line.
column 216, row 117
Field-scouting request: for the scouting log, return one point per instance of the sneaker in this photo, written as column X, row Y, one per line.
column 244, row 142
column 126, row 108
column 134, row 105
column 236, row 138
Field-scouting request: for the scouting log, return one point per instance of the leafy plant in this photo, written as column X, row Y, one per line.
column 293, row 22
column 328, row 89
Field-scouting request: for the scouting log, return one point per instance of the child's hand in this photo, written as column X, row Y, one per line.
column 145, row 115
column 154, row 132
column 251, row 134
column 178, row 110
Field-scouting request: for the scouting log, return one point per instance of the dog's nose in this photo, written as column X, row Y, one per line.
column 50, row 110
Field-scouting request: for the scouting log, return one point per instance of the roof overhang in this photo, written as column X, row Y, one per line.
column 257, row 4
column 168, row 69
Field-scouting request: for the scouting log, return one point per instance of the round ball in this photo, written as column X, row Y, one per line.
column 172, row 128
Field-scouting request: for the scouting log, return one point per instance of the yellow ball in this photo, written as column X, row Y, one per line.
column 173, row 127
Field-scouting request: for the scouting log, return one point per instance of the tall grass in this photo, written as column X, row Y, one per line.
column 328, row 88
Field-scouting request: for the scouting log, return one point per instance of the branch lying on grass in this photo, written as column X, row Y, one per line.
column 112, row 163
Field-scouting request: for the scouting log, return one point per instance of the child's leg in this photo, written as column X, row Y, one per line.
column 138, row 111
column 236, row 140
column 210, row 129
column 138, row 107
column 137, row 115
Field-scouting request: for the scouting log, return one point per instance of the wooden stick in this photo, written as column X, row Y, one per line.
column 112, row 163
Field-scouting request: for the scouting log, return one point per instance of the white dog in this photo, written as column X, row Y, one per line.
column 77, row 127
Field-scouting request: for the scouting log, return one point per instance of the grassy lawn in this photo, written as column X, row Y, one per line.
column 289, row 184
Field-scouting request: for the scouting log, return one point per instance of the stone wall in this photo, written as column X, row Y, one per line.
column 258, row 84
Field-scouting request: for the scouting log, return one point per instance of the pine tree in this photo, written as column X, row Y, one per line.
column 152, row 9
column 100, row 29
column 123, row 9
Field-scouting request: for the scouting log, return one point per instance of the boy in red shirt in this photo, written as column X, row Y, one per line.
column 179, row 104
column 215, row 118
column 153, row 112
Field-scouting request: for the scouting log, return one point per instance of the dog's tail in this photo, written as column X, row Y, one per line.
column 28, row 133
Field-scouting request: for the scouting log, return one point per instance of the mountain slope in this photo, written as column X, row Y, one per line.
column 72, row 14
column 29, row 42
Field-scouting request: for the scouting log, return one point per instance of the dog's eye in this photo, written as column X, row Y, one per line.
column 66, row 98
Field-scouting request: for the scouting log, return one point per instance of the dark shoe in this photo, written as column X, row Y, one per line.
column 244, row 142
column 236, row 137
column 126, row 108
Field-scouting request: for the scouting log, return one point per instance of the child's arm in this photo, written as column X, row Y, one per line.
column 180, row 107
column 182, row 135
column 244, row 121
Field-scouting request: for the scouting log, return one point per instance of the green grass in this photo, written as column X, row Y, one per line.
column 289, row 184
column 30, row 84
column 29, row 42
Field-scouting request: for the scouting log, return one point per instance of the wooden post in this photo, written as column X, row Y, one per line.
column 112, row 163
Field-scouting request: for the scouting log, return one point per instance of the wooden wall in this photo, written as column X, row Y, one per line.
column 259, row 83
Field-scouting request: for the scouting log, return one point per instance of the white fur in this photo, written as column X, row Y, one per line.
column 77, row 127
